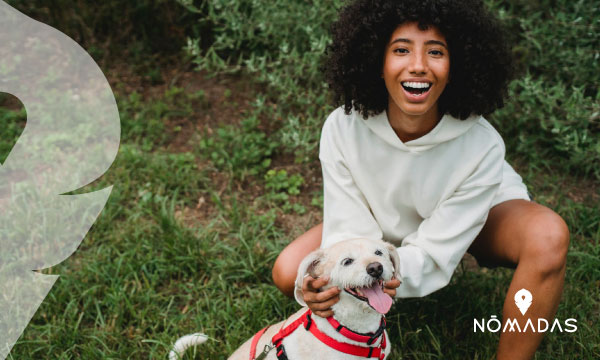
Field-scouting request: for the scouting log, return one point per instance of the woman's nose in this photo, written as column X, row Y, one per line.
column 418, row 64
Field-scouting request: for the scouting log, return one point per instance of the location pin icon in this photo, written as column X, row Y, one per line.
column 523, row 299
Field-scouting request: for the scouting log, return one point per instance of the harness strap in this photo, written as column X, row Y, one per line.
column 368, row 338
column 288, row 329
column 255, row 339
column 363, row 351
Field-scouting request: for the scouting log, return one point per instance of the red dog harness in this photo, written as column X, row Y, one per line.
column 305, row 320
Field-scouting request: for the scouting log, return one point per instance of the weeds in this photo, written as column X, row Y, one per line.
column 240, row 149
column 281, row 186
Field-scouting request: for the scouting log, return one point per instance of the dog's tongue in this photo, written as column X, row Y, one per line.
column 379, row 300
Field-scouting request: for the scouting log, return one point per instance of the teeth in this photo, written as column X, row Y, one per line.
column 416, row 85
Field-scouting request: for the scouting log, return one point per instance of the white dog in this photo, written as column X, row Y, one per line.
column 356, row 331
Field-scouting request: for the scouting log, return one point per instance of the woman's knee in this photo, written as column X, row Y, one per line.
column 286, row 265
column 546, row 241
column 284, row 273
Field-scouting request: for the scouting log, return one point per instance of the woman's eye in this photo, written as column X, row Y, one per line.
column 436, row 52
column 378, row 252
column 401, row 51
column 347, row 261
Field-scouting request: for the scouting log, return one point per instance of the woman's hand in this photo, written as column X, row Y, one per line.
column 389, row 287
column 320, row 302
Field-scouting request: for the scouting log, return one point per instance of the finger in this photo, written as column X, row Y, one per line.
column 324, row 314
column 319, row 282
column 325, row 305
column 392, row 284
column 306, row 282
column 327, row 294
column 390, row 292
column 314, row 297
column 319, row 297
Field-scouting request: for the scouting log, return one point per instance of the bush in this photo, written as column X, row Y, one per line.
column 110, row 28
column 554, row 103
column 241, row 149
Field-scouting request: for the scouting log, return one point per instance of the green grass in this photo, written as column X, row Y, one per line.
column 188, row 237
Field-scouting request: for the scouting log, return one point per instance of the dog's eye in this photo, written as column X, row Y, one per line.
column 378, row 252
column 347, row 261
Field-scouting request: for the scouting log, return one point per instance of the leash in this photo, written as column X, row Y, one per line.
column 305, row 320
column 254, row 343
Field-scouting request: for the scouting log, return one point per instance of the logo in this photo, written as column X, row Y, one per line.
column 70, row 139
column 523, row 301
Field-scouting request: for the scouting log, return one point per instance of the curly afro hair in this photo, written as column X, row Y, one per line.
column 481, row 64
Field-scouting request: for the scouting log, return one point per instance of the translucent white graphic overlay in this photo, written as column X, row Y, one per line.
column 523, row 299
column 70, row 139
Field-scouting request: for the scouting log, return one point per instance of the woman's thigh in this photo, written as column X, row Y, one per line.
column 512, row 229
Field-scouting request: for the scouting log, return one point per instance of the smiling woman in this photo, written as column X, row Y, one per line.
column 409, row 158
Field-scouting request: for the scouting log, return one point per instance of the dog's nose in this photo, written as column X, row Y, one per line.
column 375, row 269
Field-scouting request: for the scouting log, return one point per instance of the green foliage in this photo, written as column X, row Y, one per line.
column 281, row 186
column 109, row 28
column 144, row 122
column 270, row 39
column 553, row 115
column 544, row 121
column 556, row 40
column 241, row 149
column 555, row 96
column 12, row 123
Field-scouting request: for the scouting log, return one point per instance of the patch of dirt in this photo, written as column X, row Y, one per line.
column 226, row 99
column 584, row 191
column 581, row 190
column 10, row 102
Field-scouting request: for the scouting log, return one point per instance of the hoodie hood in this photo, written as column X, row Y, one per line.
column 447, row 129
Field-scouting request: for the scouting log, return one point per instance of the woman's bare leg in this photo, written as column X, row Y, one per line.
column 535, row 240
column 286, row 265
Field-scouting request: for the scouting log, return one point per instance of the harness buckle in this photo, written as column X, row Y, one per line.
column 377, row 333
column 308, row 322
column 281, row 354
column 264, row 353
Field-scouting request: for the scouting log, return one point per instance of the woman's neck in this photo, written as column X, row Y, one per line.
column 410, row 127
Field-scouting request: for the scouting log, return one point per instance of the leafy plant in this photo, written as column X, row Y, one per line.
column 144, row 121
column 281, row 186
column 12, row 123
column 243, row 150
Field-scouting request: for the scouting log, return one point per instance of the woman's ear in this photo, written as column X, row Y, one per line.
column 309, row 266
column 395, row 260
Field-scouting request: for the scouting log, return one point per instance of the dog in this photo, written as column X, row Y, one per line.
column 356, row 331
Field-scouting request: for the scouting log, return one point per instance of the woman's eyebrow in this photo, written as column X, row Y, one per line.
column 428, row 42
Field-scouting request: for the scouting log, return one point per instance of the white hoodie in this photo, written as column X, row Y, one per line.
column 429, row 196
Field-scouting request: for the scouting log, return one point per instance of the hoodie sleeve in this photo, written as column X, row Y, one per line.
column 429, row 256
column 346, row 213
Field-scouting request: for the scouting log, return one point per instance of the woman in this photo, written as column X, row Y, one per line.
column 410, row 159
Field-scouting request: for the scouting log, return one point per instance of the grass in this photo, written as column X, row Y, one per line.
column 209, row 188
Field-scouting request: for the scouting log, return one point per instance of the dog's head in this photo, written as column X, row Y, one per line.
column 359, row 267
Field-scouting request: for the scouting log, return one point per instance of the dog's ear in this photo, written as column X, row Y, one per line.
column 309, row 266
column 395, row 259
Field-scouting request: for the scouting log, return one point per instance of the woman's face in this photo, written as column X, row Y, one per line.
column 416, row 69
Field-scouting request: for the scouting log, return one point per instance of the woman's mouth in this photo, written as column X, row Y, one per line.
column 416, row 90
